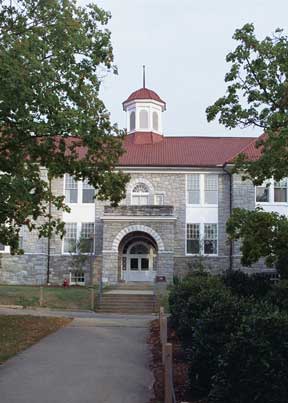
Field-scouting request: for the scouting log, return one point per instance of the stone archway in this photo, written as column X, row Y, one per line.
column 137, row 247
column 137, row 228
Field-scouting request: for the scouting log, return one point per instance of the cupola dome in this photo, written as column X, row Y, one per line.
column 144, row 110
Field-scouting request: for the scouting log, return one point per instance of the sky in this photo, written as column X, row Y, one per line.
column 183, row 45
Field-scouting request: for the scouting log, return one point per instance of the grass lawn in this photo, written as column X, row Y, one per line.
column 54, row 297
column 20, row 332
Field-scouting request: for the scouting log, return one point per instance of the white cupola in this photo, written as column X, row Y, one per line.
column 144, row 110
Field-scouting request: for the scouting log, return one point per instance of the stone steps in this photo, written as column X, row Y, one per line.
column 134, row 286
column 129, row 302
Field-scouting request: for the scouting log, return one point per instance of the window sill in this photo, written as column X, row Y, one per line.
column 201, row 205
column 285, row 204
column 197, row 254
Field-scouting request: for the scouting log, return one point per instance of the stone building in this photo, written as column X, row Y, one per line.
column 177, row 203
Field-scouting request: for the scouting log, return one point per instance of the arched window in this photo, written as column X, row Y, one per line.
column 132, row 121
column 143, row 119
column 155, row 121
column 139, row 249
column 140, row 195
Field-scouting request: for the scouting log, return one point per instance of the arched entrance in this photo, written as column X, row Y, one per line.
column 137, row 257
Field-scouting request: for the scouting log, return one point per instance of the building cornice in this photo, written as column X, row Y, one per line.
column 136, row 218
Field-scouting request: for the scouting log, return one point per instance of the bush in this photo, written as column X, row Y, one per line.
column 243, row 285
column 212, row 332
column 190, row 298
column 253, row 367
column 279, row 295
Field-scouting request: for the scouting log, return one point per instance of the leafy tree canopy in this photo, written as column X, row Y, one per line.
column 263, row 234
column 52, row 57
column 257, row 96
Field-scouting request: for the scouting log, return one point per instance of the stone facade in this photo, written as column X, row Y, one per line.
column 165, row 225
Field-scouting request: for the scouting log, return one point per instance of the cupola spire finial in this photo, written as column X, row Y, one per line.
column 144, row 76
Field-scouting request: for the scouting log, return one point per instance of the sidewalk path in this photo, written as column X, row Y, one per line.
column 93, row 360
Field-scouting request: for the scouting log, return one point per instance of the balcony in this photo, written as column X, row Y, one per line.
column 139, row 211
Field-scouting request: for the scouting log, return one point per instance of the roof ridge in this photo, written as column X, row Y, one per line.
column 244, row 148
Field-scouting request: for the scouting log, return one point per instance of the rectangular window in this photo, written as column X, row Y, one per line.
column 134, row 264
column 210, row 239
column 77, row 277
column 280, row 191
column 2, row 247
column 211, row 189
column 70, row 238
column 262, row 194
column 88, row 193
column 159, row 199
column 140, row 200
column 87, row 237
column 193, row 238
column 144, row 264
column 193, row 188
column 71, row 189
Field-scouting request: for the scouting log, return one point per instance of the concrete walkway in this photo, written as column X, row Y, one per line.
column 94, row 359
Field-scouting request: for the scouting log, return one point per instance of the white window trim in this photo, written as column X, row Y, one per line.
column 201, row 240
column 82, row 284
column 271, row 201
column 140, row 194
column 159, row 194
column 78, row 235
column 6, row 249
column 201, row 190
column 79, row 194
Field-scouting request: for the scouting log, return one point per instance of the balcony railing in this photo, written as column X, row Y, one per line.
column 139, row 211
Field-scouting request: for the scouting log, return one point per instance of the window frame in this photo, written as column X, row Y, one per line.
column 84, row 185
column 78, row 237
column 146, row 112
column 92, row 225
column 206, row 176
column 65, row 237
column 73, row 273
column 202, row 181
column 270, row 185
column 6, row 249
column 80, row 187
column 66, row 188
column 279, row 187
column 140, row 194
column 193, row 190
column 132, row 119
column 155, row 120
column 202, row 239
column 189, row 239
column 157, row 194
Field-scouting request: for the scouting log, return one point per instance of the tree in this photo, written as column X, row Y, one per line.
column 257, row 96
column 52, row 56
column 262, row 234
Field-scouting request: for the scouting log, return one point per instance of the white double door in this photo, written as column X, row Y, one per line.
column 139, row 267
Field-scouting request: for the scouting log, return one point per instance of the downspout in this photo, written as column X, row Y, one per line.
column 230, row 212
column 49, row 234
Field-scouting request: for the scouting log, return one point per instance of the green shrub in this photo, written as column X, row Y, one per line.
column 279, row 295
column 282, row 266
column 243, row 285
column 212, row 332
column 253, row 367
column 190, row 298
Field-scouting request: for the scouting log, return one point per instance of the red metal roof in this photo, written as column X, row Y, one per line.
column 143, row 150
column 144, row 93
column 251, row 151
